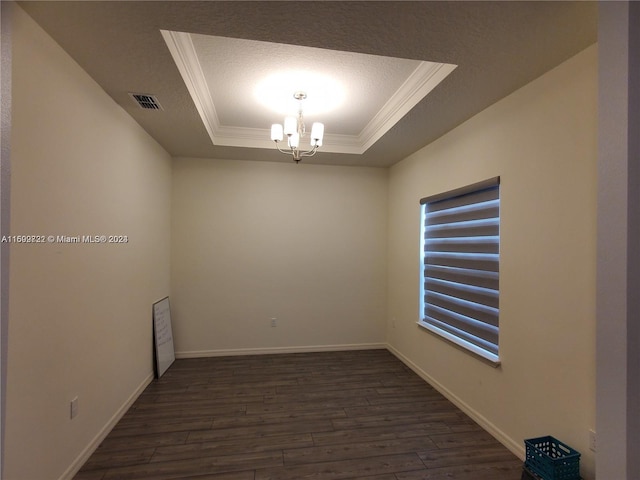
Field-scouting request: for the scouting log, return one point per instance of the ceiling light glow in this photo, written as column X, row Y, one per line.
column 324, row 93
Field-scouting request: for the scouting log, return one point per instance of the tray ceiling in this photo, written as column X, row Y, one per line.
column 381, row 54
column 240, row 87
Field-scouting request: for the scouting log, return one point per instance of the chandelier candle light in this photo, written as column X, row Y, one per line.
column 294, row 129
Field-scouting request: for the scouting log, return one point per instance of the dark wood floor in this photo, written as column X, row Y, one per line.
column 320, row 416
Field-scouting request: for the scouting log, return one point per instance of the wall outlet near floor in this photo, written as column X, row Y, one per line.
column 592, row 440
column 274, row 322
column 73, row 411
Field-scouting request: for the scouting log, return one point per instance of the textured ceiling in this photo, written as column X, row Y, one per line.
column 498, row 47
column 231, row 67
column 238, row 85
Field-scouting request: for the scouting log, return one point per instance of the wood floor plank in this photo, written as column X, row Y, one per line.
column 428, row 406
column 162, row 427
column 278, row 417
column 259, row 430
column 438, row 419
column 336, row 404
column 232, row 447
column 510, row 470
column 142, row 440
column 344, row 469
column 314, row 396
column 133, row 456
column 379, row 399
column 387, row 432
column 463, row 439
column 186, row 412
column 89, row 475
column 330, row 386
column 191, row 467
column 373, row 448
column 355, row 415
column 248, row 475
column 438, row 457
column 389, row 476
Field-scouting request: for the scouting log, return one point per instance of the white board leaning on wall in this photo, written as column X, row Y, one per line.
column 163, row 336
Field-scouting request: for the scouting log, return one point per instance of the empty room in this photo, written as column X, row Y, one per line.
column 395, row 238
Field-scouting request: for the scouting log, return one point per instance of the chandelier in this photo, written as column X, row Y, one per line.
column 295, row 130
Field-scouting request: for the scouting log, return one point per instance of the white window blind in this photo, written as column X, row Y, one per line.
column 460, row 274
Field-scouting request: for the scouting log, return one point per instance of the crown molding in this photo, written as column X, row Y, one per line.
column 186, row 59
column 417, row 86
column 419, row 83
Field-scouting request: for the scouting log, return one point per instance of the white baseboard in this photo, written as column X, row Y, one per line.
column 93, row 445
column 515, row 447
column 273, row 350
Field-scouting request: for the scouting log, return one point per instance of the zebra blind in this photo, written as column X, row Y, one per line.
column 460, row 275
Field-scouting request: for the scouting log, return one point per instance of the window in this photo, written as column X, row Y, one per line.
column 461, row 258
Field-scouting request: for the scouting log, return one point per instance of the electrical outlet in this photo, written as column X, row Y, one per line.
column 73, row 411
column 592, row 440
column 274, row 322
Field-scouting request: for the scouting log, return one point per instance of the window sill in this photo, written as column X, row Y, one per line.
column 478, row 352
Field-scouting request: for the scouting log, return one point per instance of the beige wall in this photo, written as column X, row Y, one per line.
column 541, row 141
column 252, row 241
column 79, row 315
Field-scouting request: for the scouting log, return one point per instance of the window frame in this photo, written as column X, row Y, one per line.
column 489, row 356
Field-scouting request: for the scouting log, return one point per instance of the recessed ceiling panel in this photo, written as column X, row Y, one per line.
column 241, row 87
column 499, row 47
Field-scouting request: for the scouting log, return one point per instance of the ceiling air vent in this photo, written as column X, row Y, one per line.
column 146, row 101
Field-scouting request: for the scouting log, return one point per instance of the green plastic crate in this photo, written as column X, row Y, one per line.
column 551, row 459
